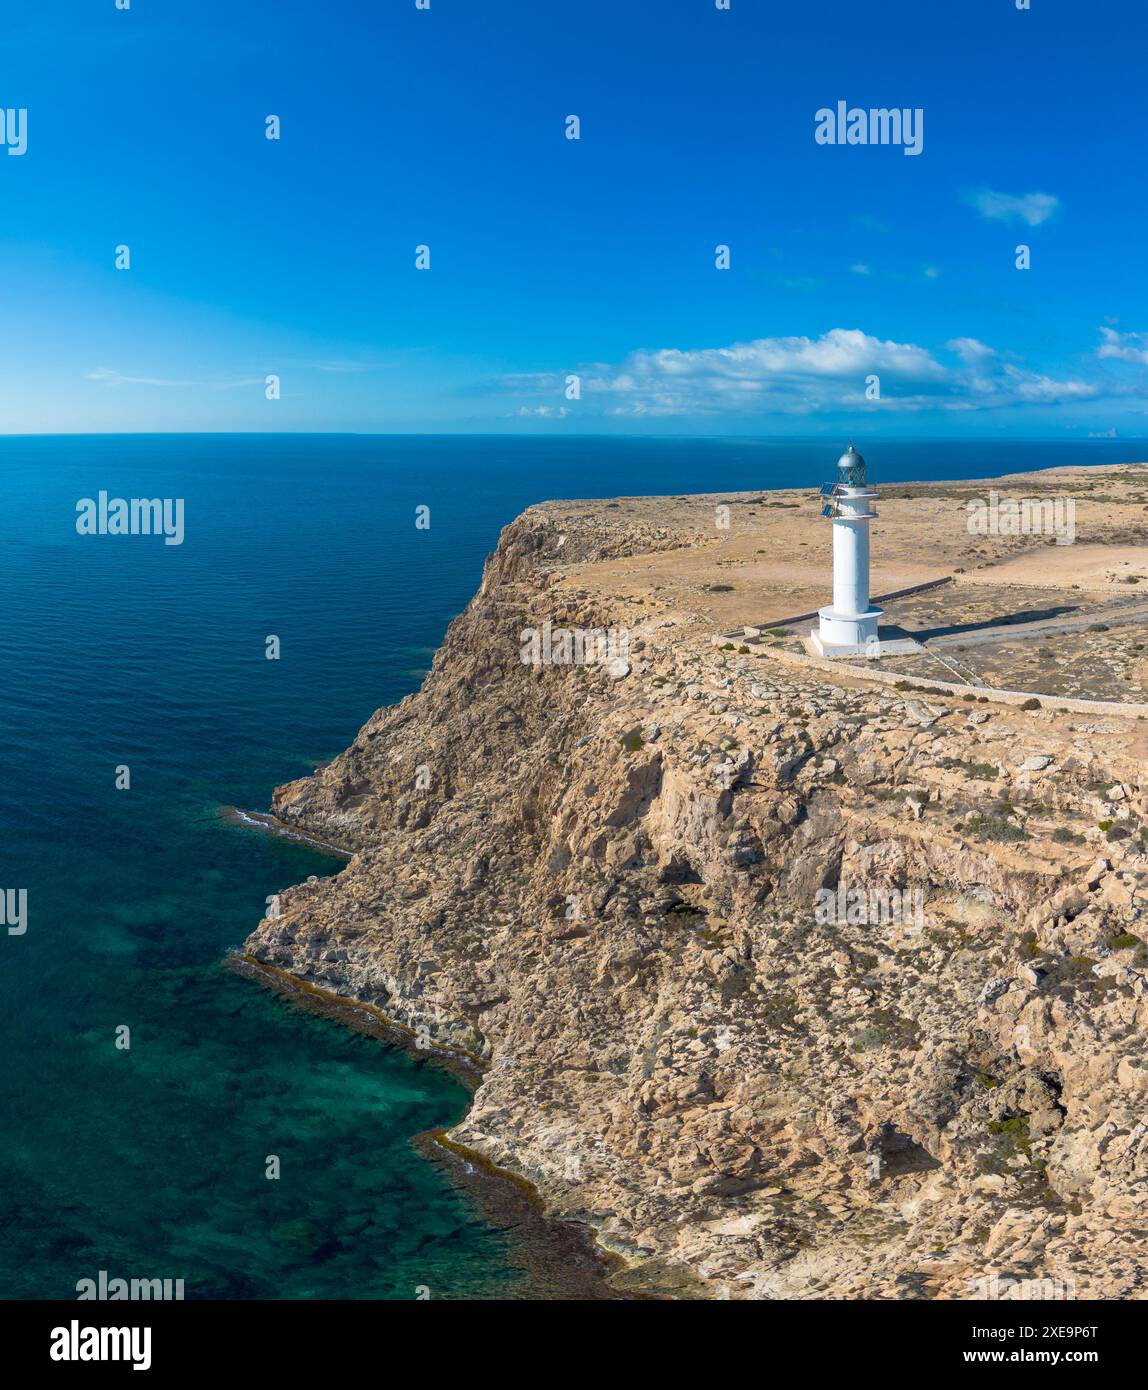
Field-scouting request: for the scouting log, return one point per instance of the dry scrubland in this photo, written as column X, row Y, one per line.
column 606, row 895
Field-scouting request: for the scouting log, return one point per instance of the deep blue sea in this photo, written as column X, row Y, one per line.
column 150, row 1162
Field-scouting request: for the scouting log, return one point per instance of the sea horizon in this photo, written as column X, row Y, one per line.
column 958, row 437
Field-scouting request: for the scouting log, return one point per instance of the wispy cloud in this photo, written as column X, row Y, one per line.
column 801, row 375
column 970, row 349
column 112, row 378
column 1033, row 208
column 109, row 377
column 345, row 367
column 1125, row 347
column 796, row 282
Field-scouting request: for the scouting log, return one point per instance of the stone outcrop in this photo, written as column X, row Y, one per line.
column 604, row 882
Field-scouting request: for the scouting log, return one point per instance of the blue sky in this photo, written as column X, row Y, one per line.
column 594, row 257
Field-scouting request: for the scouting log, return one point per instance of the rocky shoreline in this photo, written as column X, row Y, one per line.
column 599, row 882
column 562, row 1260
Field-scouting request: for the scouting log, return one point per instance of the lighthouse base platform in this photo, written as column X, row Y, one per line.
column 846, row 634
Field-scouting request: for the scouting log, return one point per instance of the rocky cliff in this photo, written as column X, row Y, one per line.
column 602, row 880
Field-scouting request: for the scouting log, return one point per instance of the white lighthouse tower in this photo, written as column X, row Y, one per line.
column 849, row 627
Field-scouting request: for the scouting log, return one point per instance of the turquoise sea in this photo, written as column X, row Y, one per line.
column 150, row 1162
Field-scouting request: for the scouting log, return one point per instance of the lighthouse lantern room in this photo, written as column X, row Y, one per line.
column 849, row 626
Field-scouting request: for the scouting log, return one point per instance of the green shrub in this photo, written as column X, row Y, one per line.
column 1014, row 1131
column 997, row 828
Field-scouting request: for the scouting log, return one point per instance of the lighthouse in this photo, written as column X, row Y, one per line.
column 849, row 626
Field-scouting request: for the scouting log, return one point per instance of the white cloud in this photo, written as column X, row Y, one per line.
column 1032, row 388
column 1125, row 347
column 969, row 348
column 1033, row 208
column 801, row 375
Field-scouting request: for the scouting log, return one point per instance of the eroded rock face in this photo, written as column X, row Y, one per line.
column 605, row 885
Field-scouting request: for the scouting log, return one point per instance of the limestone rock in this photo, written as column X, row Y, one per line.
column 626, row 895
